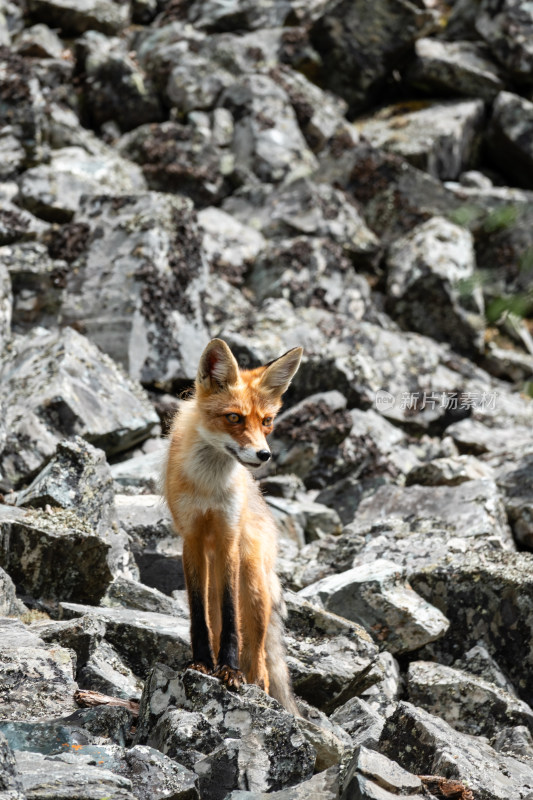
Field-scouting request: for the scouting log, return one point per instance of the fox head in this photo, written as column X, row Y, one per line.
column 237, row 407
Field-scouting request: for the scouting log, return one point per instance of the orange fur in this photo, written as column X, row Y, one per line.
column 230, row 537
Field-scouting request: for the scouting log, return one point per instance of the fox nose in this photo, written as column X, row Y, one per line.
column 264, row 455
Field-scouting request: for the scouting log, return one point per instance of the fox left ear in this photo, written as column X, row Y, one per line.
column 279, row 373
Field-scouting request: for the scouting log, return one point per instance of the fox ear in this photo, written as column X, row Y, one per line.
column 279, row 373
column 218, row 367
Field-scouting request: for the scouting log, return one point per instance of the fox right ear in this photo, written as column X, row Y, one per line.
column 218, row 367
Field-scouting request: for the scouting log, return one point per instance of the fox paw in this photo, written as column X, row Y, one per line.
column 199, row 667
column 231, row 678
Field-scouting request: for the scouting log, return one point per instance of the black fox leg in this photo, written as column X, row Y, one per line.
column 228, row 655
column 195, row 569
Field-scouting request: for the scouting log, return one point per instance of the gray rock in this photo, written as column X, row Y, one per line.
column 57, row 385
column 376, row 597
column 357, row 48
column 140, row 473
column 512, row 472
column 54, row 555
column 40, row 41
column 74, row 18
column 383, row 695
column 16, row 224
column 146, row 311
column 230, row 246
column 427, row 271
column 184, row 736
column 486, row 596
column 468, row 703
column 509, row 137
column 127, row 593
column 478, row 661
column 10, row 783
column 211, row 16
column 496, row 23
column 22, row 113
column 427, row 745
column 36, row 681
column 329, row 657
column 455, row 68
column 440, row 138
column 324, row 786
column 10, row 605
column 267, row 139
column 514, row 741
column 360, row 721
column 373, row 776
column 330, row 741
column 68, row 776
column 140, row 637
column 449, row 471
column 53, row 191
column 6, row 302
column 37, row 282
column 509, row 364
column 263, row 746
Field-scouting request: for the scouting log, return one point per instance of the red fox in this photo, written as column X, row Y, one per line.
column 229, row 535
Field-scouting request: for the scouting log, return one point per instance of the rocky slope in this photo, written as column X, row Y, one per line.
column 352, row 177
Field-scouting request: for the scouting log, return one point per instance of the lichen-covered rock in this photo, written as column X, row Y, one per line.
column 427, row 745
column 57, row 385
column 440, row 138
column 10, row 605
column 146, row 310
column 262, row 747
column 37, row 281
column 323, row 786
column 128, row 593
column 230, row 246
column 457, row 67
column 468, row 703
column 74, row 17
column 36, row 681
column 330, row 658
column 372, row 775
column 428, row 272
column 449, row 471
column 509, row 137
column 360, row 721
column 507, row 28
column 53, row 191
column 376, row 596
column 6, row 303
column 10, row 783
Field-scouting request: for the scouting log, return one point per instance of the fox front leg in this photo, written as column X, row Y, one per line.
column 195, row 570
column 227, row 668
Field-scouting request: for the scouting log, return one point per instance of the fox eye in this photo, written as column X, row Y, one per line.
column 267, row 421
column 234, row 418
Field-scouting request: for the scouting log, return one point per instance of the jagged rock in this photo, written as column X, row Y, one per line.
column 146, row 310
column 478, row 661
column 486, row 596
column 127, row 593
column 141, row 473
column 36, row 681
column 211, row 16
column 376, row 597
column 6, row 303
column 303, row 207
column 310, row 271
column 230, row 246
column 156, row 547
column 17, row 224
column 40, row 41
column 509, row 137
column 509, row 364
column 478, row 437
column 37, row 282
column 360, row 721
column 55, row 555
column 507, row 29
column 515, row 741
column 10, row 783
column 22, row 113
column 10, row 605
column 74, row 18
column 427, row 272
column 78, row 478
column 267, row 139
column 53, row 191
column 449, row 471
column 512, row 471
column 324, row 786
column 330, row 741
column 427, row 745
column 357, row 47
column 115, row 87
column 372, row 775
column 383, row 695
column 455, row 68
column 329, row 657
column 140, row 637
column 184, row 736
column 263, row 747
column 66, row 776
column 468, row 703
column 182, row 159
column 440, row 138
column 60, row 384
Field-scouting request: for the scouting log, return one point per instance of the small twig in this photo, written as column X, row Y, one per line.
column 88, row 699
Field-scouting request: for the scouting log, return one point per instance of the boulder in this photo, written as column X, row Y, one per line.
column 449, row 471
column 324, row 786
column 40, row 41
column 230, row 246
column 10, row 605
column 17, row 224
column 10, row 782
column 430, row 275
column 74, row 18
column 360, row 721
column 36, row 681
column 128, row 593
column 455, row 68
column 376, row 596
column 146, row 310
column 509, row 137
column 507, row 28
column 37, row 281
column 428, row 746
column 372, row 775
column 512, row 473
column 53, row 191
column 57, row 385
column 211, row 16
column 440, row 138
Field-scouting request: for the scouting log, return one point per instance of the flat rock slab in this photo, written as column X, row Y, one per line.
column 427, row 745
column 323, row 786
column 57, row 385
column 373, row 776
column 379, row 598
column 36, row 681
column 140, row 637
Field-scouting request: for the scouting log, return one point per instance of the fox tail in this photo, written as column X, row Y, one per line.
column 276, row 659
